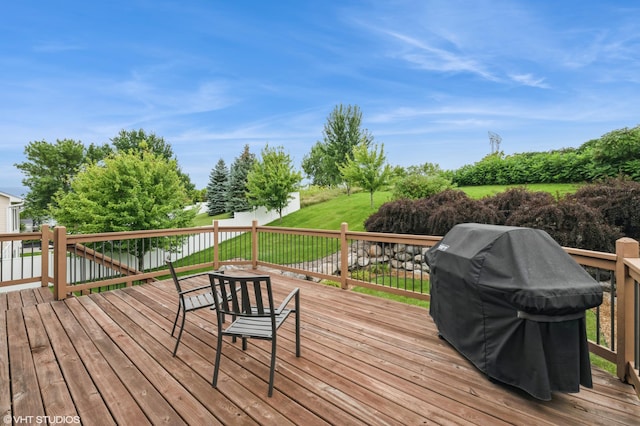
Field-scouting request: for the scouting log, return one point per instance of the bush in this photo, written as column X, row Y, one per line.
column 570, row 223
column 615, row 153
column 445, row 217
column 591, row 219
column 415, row 186
column 618, row 200
column 397, row 217
column 434, row 215
column 505, row 203
column 434, row 205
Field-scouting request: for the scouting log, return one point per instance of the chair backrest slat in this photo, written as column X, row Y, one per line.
column 243, row 296
column 258, row 294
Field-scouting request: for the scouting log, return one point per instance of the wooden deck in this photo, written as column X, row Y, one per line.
column 106, row 359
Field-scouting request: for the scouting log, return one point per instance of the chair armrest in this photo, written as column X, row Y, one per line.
column 285, row 302
column 180, row 279
column 191, row 290
column 186, row 277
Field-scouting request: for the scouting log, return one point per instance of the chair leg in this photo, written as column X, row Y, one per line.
column 175, row 321
column 273, row 365
column 214, row 381
column 297, row 324
column 297, row 335
column 184, row 314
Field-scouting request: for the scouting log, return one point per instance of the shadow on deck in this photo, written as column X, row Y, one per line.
column 106, row 358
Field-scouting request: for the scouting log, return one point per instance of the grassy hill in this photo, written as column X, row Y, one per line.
column 327, row 210
column 355, row 208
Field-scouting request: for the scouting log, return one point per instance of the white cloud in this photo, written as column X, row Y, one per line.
column 432, row 58
column 529, row 80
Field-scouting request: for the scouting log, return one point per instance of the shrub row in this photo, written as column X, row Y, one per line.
column 615, row 153
column 592, row 218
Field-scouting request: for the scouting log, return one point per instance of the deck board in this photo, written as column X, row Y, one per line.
column 106, row 357
column 27, row 297
column 5, row 382
column 22, row 371
column 77, row 356
column 124, row 357
column 56, row 398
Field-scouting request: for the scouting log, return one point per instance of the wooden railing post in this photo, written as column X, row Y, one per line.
column 254, row 244
column 344, row 256
column 45, row 236
column 625, row 248
column 216, row 250
column 60, row 262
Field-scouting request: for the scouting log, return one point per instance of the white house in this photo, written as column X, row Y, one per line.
column 10, row 207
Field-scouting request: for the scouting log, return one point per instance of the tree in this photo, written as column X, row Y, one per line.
column 217, row 189
column 130, row 191
column 426, row 169
column 237, row 196
column 341, row 134
column 95, row 153
column 272, row 179
column 139, row 141
column 367, row 168
column 317, row 165
column 50, row 167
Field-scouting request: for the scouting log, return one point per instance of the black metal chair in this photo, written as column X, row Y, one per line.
column 249, row 302
column 190, row 299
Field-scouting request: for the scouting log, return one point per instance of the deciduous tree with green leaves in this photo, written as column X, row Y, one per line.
column 139, row 141
column 130, row 191
column 272, row 180
column 367, row 168
column 342, row 132
column 317, row 165
column 217, row 189
column 50, row 167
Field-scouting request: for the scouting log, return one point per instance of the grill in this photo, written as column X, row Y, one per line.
column 513, row 302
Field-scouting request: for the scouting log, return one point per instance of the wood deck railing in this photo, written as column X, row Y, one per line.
column 392, row 263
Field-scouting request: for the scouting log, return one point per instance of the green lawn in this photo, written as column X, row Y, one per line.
column 327, row 210
column 353, row 209
column 203, row 219
column 555, row 189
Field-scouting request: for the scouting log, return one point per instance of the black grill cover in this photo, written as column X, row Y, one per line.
column 513, row 302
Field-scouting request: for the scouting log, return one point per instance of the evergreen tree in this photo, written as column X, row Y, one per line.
column 237, row 190
column 217, row 189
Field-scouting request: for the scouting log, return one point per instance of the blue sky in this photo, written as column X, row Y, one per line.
column 209, row 76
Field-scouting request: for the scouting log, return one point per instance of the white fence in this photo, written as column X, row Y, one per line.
column 261, row 214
